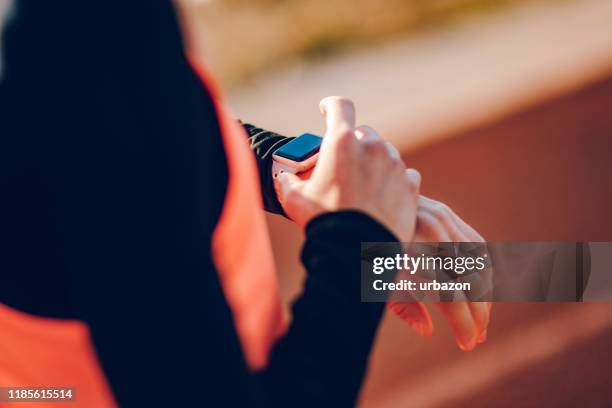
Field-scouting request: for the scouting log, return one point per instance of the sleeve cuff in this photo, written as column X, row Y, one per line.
column 349, row 225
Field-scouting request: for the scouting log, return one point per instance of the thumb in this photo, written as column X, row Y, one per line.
column 288, row 182
column 339, row 113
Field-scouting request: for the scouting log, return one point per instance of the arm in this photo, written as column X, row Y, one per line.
column 323, row 358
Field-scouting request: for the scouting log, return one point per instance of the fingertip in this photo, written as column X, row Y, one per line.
column 339, row 112
column 462, row 322
column 466, row 344
column 323, row 106
column 328, row 101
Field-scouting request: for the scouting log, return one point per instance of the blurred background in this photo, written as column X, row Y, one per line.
column 506, row 109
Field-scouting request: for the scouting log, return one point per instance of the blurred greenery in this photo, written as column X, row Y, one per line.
column 245, row 37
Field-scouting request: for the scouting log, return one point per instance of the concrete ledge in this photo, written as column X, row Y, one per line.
column 418, row 90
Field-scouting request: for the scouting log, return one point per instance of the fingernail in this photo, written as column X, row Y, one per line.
column 482, row 338
column 467, row 345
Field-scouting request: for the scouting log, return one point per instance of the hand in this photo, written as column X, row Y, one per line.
column 357, row 171
column 436, row 222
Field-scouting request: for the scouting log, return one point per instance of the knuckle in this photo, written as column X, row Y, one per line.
column 393, row 150
column 440, row 210
column 398, row 165
column 415, row 174
column 412, row 186
column 414, row 177
column 413, row 180
column 397, row 168
column 375, row 148
column 428, row 226
column 368, row 130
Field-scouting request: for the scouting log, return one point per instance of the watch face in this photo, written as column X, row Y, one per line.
column 300, row 148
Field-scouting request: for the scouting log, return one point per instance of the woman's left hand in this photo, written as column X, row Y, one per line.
column 436, row 222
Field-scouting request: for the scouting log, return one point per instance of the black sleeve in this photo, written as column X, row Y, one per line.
column 263, row 144
column 322, row 360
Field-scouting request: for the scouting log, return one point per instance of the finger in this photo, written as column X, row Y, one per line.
column 445, row 217
column 288, row 182
column 462, row 323
column 483, row 336
column 429, row 229
column 458, row 231
column 366, row 133
column 469, row 234
column 415, row 314
column 339, row 115
column 480, row 313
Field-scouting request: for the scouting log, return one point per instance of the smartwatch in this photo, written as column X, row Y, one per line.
column 297, row 156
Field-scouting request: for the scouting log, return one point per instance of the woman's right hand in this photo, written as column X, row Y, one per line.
column 355, row 171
